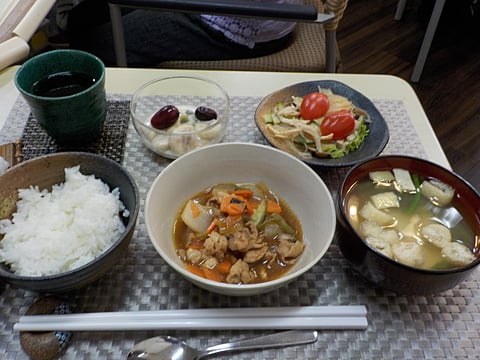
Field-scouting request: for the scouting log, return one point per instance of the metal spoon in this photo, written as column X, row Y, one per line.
column 168, row 348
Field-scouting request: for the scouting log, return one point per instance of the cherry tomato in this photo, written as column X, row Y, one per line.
column 340, row 123
column 314, row 106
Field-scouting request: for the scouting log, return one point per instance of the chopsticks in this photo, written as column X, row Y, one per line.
column 291, row 317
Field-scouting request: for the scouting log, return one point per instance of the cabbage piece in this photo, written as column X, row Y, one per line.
column 404, row 181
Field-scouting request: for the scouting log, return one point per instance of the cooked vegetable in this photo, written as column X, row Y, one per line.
column 259, row 213
column 196, row 216
column 404, row 181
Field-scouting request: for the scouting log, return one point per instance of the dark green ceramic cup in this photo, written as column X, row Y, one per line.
column 70, row 119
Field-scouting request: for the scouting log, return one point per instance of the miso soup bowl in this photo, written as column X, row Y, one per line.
column 296, row 183
column 385, row 272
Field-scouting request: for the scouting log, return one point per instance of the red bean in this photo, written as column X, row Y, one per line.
column 165, row 117
column 204, row 113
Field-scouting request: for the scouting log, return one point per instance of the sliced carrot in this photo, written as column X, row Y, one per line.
column 273, row 207
column 212, row 274
column 195, row 270
column 235, row 209
column 212, row 226
column 241, row 198
column 243, row 192
column 195, row 209
column 225, row 202
column 230, row 207
column 224, row 266
column 252, row 204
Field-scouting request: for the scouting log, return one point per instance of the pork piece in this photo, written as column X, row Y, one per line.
column 240, row 273
column 215, row 245
column 252, row 256
column 218, row 195
column 288, row 251
column 194, row 256
column 246, row 239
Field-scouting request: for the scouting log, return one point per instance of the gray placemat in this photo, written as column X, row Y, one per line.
column 443, row 326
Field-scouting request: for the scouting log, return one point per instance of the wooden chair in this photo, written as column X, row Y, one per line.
column 313, row 46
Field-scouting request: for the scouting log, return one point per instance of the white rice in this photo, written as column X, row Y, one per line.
column 54, row 232
column 4, row 165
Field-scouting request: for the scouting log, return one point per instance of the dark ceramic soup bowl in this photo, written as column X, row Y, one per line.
column 386, row 272
column 45, row 171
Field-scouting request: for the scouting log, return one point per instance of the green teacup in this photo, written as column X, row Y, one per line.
column 65, row 90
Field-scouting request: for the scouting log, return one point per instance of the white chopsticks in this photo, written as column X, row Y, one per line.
column 290, row 317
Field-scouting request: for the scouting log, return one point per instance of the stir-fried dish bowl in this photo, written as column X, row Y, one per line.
column 409, row 225
column 239, row 218
column 324, row 123
column 65, row 220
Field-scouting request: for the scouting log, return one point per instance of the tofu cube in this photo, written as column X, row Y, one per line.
column 438, row 192
column 381, row 176
column 371, row 213
column 408, row 253
column 385, row 200
column 458, row 254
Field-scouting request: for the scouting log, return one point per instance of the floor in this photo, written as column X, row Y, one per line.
column 371, row 41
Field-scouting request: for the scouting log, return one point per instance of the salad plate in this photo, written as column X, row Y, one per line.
column 373, row 143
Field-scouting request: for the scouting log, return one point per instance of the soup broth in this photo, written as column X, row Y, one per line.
column 416, row 231
column 253, row 245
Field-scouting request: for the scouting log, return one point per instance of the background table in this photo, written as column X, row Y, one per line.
column 441, row 326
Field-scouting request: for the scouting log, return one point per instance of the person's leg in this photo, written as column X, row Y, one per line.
column 154, row 36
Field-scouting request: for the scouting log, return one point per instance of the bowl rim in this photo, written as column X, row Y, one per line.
column 341, row 206
column 238, row 288
column 8, row 275
column 59, row 52
column 221, row 120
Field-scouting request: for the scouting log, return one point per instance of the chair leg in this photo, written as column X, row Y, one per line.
column 118, row 35
column 331, row 51
column 427, row 40
column 400, row 9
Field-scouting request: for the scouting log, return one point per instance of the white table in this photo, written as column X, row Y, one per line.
column 125, row 81
column 438, row 326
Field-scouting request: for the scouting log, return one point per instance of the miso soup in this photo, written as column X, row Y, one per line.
column 411, row 219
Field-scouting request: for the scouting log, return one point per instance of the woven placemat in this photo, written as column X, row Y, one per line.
column 441, row 326
column 111, row 142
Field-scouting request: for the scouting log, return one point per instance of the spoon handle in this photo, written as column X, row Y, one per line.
column 280, row 339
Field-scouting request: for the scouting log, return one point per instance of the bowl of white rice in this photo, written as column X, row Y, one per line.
column 65, row 220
